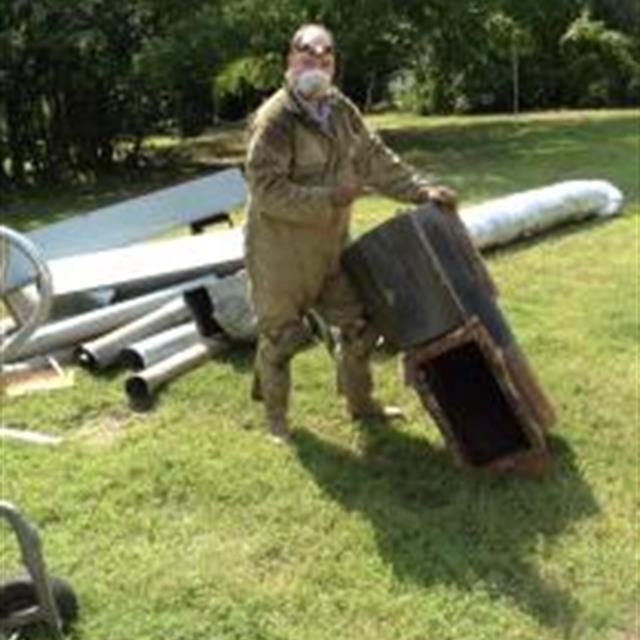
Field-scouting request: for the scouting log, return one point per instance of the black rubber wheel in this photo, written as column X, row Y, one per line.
column 20, row 593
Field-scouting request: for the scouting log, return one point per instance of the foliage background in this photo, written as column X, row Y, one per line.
column 77, row 78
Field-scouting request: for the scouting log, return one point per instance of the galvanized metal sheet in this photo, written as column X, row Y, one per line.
column 150, row 265
column 133, row 220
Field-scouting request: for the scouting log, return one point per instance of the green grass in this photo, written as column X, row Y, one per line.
column 187, row 523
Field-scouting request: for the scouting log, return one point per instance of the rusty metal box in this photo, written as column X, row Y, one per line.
column 485, row 401
column 428, row 292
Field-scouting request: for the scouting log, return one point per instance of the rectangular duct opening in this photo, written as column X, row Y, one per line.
column 480, row 415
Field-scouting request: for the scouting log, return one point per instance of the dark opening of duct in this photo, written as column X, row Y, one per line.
column 201, row 307
column 85, row 358
column 131, row 359
column 137, row 390
column 475, row 406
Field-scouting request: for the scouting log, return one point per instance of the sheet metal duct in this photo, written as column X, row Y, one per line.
column 72, row 331
column 141, row 387
column 133, row 220
column 225, row 305
column 22, row 302
column 150, row 265
column 426, row 290
column 148, row 351
column 105, row 350
column 523, row 214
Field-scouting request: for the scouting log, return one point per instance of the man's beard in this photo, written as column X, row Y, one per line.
column 312, row 83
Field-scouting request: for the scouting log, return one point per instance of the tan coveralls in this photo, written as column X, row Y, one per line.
column 295, row 235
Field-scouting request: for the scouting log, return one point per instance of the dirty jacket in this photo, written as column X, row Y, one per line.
column 294, row 232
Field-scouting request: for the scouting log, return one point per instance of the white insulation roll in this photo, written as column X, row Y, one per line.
column 523, row 214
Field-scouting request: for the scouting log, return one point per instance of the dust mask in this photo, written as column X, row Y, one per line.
column 312, row 83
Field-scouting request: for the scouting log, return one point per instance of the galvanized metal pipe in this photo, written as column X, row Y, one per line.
column 105, row 350
column 145, row 353
column 141, row 387
column 74, row 330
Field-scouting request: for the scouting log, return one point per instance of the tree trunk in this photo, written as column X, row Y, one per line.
column 15, row 130
column 371, row 83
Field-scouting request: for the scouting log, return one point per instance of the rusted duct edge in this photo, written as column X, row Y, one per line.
column 149, row 351
column 140, row 388
column 72, row 331
column 524, row 214
column 105, row 350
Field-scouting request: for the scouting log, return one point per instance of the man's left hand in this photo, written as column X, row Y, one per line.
column 441, row 196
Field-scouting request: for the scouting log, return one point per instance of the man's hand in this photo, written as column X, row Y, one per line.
column 442, row 196
column 344, row 195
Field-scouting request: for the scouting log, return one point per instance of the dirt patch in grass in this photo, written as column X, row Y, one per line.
column 105, row 431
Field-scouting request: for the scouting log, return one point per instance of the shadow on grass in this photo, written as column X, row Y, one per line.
column 435, row 523
column 240, row 358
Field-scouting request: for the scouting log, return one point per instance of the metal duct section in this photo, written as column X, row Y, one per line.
column 139, row 268
column 523, row 214
column 153, row 349
column 105, row 351
column 134, row 220
column 225, row 305
column 72, row 331
column 141, row 387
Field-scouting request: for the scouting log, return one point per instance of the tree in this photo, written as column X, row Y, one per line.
column 601, row 63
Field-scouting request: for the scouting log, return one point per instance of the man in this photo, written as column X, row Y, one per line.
column 310, row 156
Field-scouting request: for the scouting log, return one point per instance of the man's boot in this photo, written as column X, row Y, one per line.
column 279, row 428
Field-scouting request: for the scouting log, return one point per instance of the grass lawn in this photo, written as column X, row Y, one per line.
column 186, row 523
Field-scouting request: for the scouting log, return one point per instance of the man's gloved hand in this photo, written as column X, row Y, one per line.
column 442, row 196
column 344, row 195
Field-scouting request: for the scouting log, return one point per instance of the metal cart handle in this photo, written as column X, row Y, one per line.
column 11, row 344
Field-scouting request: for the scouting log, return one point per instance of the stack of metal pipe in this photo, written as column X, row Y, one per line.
column 104, row 288
column 156, row 335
